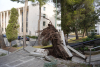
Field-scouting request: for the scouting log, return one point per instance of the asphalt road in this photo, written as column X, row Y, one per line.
column 32, row 42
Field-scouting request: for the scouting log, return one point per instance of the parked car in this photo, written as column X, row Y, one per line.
column 4, row 35
column 19, row 37
column 27, row 38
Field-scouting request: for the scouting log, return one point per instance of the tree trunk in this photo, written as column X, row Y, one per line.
column 9, row 48
column 76, row 33
column 39, row 24
column 24, row 23
column 66, row 39
column 84, row 32
column 2, row 43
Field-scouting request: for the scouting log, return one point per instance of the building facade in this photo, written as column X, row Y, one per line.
column 31, row 19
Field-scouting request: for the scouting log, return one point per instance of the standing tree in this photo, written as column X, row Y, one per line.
column 24, row 19
column 12, row 27
column 41, row 3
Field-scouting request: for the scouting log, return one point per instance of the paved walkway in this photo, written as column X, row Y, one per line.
column 95, row 59
column 20, row 59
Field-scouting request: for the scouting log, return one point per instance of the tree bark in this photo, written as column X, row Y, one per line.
column 84, row 32
column 39, row 24
column 76, row 33
column 9, row 48
column 24, row 23
column 66, row 39
column 2, row 43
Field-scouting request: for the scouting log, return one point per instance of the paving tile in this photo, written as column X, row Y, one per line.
column 29, row 49
column 27, row 58
column 15, row 63
column 4, row 66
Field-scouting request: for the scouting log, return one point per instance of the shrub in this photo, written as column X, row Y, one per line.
column 87, row 39
column 15, row 45
column 92, row 35
column 81, row 49
column 34, row 37
column 93, row 50
column 3, row 54
column 45, row 43
column 86, row 48
column 77, row 48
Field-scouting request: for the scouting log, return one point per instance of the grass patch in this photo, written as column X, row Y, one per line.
column 3, row 54
column 19, row 47
column 73, row 40
column 42, row 46
column 37, row 47
column 98, row 36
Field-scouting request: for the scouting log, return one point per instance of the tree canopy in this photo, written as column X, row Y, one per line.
column 77, row 15
column 12, row 27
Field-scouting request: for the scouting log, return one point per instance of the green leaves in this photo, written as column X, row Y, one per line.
column 42, row 2
column 12, row 27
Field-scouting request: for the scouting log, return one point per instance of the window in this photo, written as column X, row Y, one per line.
column 27, row 16
column 43, row 23
column 22, row 29
column 22, row 21
column 59, row 25
column 92, row 30
column 22, row 16
column 44, row 15
column 2, row 29
column 26, row 29
column 26, row 24
column 95, row 30
column 44, row 8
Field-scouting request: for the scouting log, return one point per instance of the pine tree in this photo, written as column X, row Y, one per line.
column 12, row 27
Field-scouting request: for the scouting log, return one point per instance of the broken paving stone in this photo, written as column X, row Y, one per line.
column 37, row 54
column 50, row 58
column 30, row 49
column 44, row 51
column 78, row 60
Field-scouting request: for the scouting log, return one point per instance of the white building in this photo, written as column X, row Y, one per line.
column 59, row 25
column 32, row 18
column 97, row 28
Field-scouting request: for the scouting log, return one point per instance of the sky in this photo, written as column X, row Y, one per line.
column 7, row 5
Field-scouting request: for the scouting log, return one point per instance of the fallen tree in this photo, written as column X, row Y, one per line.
column 51, row 34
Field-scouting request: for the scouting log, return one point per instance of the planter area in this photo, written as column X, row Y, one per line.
column 84, row 47
column 92, row 52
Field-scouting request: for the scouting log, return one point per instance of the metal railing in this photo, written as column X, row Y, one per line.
column 90, row 53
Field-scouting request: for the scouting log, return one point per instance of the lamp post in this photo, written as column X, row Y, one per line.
column 56, row 15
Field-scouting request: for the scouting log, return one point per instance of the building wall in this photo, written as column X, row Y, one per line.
column 59, row 25
column 33, row 16
column 96, row 29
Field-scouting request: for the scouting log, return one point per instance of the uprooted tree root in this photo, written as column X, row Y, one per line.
column 51, row 34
